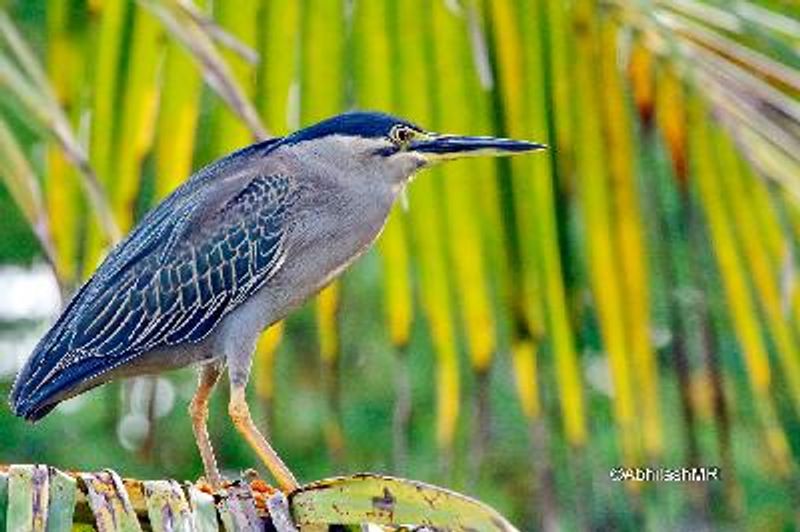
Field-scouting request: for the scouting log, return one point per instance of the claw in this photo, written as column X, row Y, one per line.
column 261, row 486
column 203, row 485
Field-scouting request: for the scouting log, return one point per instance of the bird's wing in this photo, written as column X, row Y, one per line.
column 189, row 262
column 210, row 262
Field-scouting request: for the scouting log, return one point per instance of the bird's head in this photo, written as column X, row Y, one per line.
column 395, row 148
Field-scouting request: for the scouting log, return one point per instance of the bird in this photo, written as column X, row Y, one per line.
column 232, row 250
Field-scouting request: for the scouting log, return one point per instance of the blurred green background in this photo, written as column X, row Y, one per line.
column 629, row 297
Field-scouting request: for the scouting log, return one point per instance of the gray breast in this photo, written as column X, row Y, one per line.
column 332, row 226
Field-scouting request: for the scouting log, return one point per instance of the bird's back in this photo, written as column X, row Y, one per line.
column 195, row 257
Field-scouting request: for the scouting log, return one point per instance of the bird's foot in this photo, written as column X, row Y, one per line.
column 264, row 498
column 207, row 486
column 263, row 487
column 257, row 484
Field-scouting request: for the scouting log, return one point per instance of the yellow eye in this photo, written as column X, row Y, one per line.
column 402, row 135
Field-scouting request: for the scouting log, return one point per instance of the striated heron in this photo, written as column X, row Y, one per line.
column 234, row 249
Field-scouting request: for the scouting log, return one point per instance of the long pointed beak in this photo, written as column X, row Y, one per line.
column 445, row 147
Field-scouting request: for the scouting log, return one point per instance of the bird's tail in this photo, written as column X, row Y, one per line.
column 36, row 393
column 27, row 398
column 40, row 384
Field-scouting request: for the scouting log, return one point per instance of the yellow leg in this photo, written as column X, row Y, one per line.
column 198, row 410
column 240, row 414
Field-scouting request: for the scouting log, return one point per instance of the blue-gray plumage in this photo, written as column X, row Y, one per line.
column 234, row 249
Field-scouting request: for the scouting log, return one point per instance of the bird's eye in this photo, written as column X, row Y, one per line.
column 402, row 135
